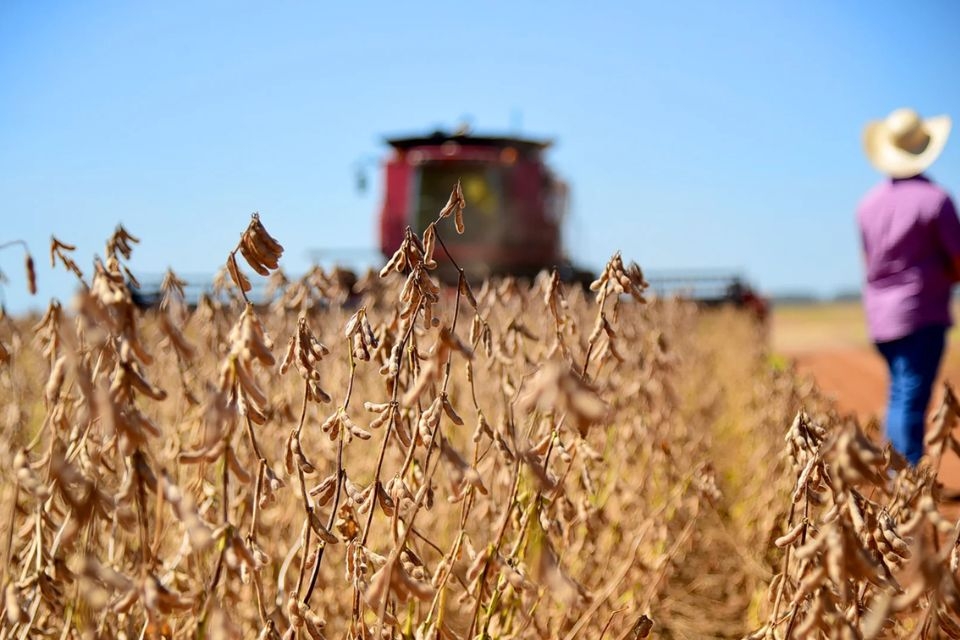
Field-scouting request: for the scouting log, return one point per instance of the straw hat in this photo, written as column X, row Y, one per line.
column 904, row 145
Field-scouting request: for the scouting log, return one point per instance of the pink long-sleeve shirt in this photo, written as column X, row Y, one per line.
column 911, row 240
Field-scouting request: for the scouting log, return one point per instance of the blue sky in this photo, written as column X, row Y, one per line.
column 693, row 134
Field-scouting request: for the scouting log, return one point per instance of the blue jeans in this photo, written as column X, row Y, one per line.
column 913, row 362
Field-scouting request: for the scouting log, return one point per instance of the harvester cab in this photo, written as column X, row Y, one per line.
column 515, row 204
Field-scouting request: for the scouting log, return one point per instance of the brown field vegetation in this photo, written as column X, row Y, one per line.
column 404, row 460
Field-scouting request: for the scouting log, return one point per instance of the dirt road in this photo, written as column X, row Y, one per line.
column 853, row 376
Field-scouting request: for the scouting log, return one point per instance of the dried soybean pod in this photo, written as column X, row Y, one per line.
column 791, row 536
column 450, row 411
column 31, row 275
column 238, row 278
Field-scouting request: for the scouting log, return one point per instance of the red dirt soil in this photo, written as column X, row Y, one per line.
column 856, row 377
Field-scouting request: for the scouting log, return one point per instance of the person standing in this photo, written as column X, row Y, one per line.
column 910, row 236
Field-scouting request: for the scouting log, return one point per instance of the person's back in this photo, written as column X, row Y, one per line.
column 910, row 234
column 910, row 237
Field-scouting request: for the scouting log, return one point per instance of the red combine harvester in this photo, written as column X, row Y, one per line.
column 514, row 217
column 515, row 204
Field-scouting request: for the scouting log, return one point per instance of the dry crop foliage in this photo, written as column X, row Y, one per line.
column 867, row 553
column 431, row 463
column 393, row 458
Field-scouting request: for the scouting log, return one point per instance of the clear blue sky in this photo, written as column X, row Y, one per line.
column 712, row 134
